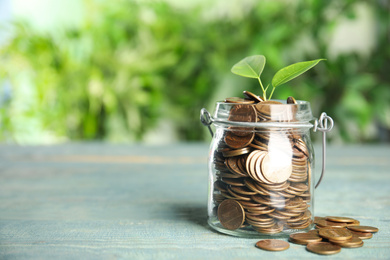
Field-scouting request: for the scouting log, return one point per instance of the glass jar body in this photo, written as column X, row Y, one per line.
column 261, row 180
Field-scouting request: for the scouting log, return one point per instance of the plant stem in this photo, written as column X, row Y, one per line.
column 261, row 85
column 272, row 92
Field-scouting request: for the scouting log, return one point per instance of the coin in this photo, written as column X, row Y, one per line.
column 363, row 229
column 273, row 245
column 304, row 238
column 326, row 223
column 236, row 152
column 238, row 100
column 243, row 113
column 237, row 141
column 340, row 219
column 275, row 172
column 335, row 234
column 352, row 242
column 291, row 100
column 231, row 214
column 323, row 248
column 362, row 235
column 252, row 96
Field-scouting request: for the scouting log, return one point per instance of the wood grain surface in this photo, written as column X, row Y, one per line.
column 99, row 201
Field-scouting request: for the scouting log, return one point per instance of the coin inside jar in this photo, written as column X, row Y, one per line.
column 231, row 214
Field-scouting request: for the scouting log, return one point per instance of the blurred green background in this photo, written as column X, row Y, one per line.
column 140, row 71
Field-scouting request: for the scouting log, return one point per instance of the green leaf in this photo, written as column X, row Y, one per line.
column 250, row 67
column 290, row 72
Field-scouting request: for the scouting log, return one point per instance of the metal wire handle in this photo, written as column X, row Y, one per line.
column 320, row 124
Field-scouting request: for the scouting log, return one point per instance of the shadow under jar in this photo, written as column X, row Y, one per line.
column 261, row 169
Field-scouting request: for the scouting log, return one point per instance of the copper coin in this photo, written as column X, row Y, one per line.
column 355, row 223
column 362, row 235
column 243, row 113
column 273, row 245
column 323, row 248
column 236, row 152
column 354, row 241
column 304, row 238
column 325, row 223
column 340, row 219
column 231, row 214
column 291, row 100
column 232, row 164
column 252, row 96
column 335, row 234
column 274, row 171
column 363, row 229
column 265, row 107
column 236, row 142
column 238, row 100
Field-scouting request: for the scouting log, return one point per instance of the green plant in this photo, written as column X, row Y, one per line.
column 252, row 67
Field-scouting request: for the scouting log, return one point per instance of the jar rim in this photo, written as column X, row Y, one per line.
column 281, row 115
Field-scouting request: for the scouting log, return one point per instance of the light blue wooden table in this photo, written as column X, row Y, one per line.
column 95, row 201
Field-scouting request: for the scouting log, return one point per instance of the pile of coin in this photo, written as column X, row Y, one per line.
column 331, row 234
column 263, row 175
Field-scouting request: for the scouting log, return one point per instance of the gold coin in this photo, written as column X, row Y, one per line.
column 363, row 229
column 323, row 248
column 275, row 172
column 231, row 215
column 362, row 235
column 335, row 234
column 238, row 100
column 340, row 219
column 273, row 245
column 304, row 238
column 252, row 96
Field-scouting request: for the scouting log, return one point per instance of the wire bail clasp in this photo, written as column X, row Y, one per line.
column 322, row 125
column 206, row 120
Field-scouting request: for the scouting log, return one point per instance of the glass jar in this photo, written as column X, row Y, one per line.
column 261, row 168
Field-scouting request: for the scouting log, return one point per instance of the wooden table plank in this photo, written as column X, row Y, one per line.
column 97, row 201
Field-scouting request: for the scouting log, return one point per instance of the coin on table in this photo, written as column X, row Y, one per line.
column 340, row 219
column 323, row 248
column 273, row 244
column 335, row 233
column 350, row 243
column 238, row 100
column 362, row 235
column 326, row 223
column 252, row 96
column 304, row 238
column 231, row 214
column 363, row 229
